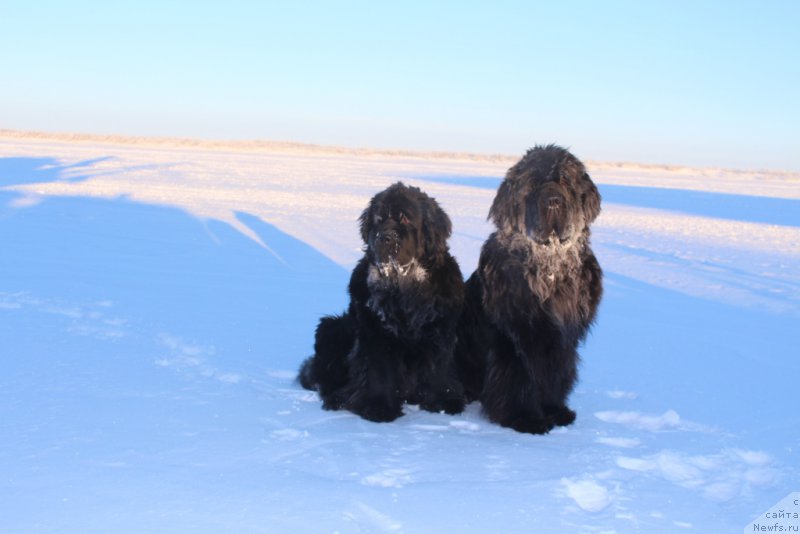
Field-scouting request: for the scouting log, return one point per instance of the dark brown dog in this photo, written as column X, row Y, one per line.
column 534, row 295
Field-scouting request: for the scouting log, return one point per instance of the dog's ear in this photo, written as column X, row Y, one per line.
column 573, row 172
column 436, row 227
column 365, row 221
column 590, row 198
column 507, row 210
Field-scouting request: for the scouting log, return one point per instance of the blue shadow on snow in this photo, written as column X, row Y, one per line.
column 23, row 171
column 200, row 279
column 765, row 210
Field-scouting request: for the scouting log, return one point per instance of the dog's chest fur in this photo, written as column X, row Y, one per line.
column 401, row 298
column 551, row 267
column 552, row 272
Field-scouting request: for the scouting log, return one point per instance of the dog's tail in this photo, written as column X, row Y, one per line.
column 306, row 374
column 326, row 370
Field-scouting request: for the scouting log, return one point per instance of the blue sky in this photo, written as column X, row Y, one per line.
column 697, row 83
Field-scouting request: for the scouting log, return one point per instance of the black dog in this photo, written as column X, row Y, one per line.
column 395, row 343
column 534, row 295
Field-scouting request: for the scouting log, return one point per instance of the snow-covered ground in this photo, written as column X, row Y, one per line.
column 157, row 297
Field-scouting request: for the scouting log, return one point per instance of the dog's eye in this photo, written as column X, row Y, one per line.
column 377, row 219
column 404, row 219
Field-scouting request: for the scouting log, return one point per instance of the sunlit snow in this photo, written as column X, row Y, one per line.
column 157, row 298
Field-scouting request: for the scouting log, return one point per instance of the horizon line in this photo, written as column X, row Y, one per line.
column 265, row 145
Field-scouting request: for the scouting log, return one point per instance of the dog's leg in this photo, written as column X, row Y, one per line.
column 556, row 407
column 375, row 388
column 555, row 368
column 510, row 396
column 474, row 338
column 447, row 397
column 438, row 389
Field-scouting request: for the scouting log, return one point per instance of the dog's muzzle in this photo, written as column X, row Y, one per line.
column 386, row 245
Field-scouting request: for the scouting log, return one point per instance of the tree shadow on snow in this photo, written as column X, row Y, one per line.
column 24, row 171
column 165, row 270
column 141, row 344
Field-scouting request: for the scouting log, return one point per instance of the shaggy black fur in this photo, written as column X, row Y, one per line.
column 534, row 295
column 395, row 342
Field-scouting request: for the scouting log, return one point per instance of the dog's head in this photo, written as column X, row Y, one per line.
column 402, row 225
column 548, row 196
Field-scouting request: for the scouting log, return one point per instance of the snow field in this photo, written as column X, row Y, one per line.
column 156, row 301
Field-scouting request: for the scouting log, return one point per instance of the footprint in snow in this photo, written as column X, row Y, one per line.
column 669, row 420
column 718, row 477
column 389, row 478
column 371, row 519
column 621, row 443
column 587, row 494
column 622, row 395
column 465, row 426
column 288, row 434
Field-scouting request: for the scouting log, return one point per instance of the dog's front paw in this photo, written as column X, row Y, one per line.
column 448, row 405
column 562, row 416
column 332, row 403
column 530, row 424
column 454, row 405
column 378, row 411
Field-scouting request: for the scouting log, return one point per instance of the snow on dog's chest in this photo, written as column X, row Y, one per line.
column 400, row 297
column 392, row 272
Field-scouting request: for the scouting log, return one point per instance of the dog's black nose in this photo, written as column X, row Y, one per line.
column 554, row 203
